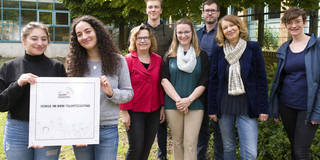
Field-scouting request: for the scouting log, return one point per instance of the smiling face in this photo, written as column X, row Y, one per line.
column 154, row 10
column 184, row 35
column 86, row 36
column 143, row 41
column 36, row 42
column 210, row 13
column 230, row 31
column 295, row 26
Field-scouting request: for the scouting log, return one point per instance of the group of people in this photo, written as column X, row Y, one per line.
column 180, row 75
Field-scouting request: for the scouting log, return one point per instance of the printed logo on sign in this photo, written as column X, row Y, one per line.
column 66, row 93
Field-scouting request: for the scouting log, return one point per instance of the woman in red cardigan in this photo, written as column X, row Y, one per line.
column 141, row 116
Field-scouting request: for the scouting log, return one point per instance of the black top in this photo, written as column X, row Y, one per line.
column 294, row 89
column 146, row 65
column 230, row 104
column 15, row 99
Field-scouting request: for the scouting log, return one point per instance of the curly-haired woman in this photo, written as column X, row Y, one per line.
column 94, row 54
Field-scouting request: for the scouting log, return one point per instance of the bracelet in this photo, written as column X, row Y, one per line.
column 191, row 100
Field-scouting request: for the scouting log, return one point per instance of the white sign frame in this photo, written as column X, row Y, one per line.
column 64, row 111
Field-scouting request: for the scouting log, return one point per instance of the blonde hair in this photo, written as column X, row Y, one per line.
column 133, row 38
column 235, row 20
column 175, row 43
column 32, row 25
column 154, row 0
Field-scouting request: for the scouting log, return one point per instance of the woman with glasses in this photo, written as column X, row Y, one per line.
column 295, row 91
column 238, row 88
column 141, row 115
column 184, row 79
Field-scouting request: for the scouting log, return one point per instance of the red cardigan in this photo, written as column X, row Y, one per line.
column 148, row 93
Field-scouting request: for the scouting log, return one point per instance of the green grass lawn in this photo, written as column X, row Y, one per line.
column 67, row 153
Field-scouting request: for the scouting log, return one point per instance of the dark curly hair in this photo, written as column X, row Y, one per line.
column 77, row 58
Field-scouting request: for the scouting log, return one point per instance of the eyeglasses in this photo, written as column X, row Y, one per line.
column 139, row 39
column 185, row 33
column 211, row 11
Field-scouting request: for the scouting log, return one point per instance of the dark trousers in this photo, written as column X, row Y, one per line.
column 300, row 132
column 162, row 139
column 141, row 135
column 204, row 136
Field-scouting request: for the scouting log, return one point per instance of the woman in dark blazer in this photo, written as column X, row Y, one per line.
column 237, row 88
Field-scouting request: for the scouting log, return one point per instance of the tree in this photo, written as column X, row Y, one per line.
column 124, row 13
column 109, row 12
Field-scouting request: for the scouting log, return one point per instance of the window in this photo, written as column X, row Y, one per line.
column 11, row 17
column 62, row 18
column 11, row 4
column 28, row 16
column 45, row 17
column 62, row 34
column 28, row 4
column 59, row 6
column 11, row 32
column 18, row 13
column 45, row 4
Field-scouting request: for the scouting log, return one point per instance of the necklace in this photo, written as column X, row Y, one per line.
column 144, row 56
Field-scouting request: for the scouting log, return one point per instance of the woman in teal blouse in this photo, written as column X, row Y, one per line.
column 184, row 79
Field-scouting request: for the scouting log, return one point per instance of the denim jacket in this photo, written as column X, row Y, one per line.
column 312, row 62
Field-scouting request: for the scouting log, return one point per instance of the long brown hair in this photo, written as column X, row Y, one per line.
column 77, row 58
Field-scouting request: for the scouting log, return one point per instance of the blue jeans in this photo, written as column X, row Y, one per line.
column 16, row 139
column 106, row 149
column 247, row 132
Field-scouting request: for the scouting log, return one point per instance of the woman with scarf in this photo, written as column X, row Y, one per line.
column 238, row 88
column 184, row 79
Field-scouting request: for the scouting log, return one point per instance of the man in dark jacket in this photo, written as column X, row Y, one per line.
column 206, row 36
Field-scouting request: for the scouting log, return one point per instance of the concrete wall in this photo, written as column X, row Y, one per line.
column 54, row 50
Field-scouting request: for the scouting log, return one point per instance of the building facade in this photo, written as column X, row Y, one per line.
column 15, row 14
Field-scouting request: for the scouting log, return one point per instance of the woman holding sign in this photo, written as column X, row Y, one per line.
column 94, row 54
column 15, row 78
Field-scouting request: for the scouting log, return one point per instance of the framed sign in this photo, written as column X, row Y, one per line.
column 64, row 111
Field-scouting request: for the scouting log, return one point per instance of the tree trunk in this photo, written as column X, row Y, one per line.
column 223, row 11
column 313, row 27
column 122, row 41
column 261, row 26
